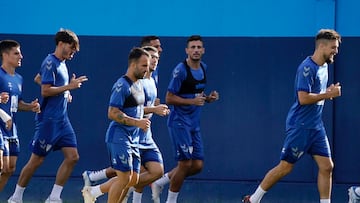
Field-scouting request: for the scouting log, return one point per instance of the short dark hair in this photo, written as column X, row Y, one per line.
column 328, row 34
column 7, row 45
column 194, row 38
column 136, row 53
column 147, row 39
column 67, row 36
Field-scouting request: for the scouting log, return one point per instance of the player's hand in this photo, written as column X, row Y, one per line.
column 199, row 100
column 162, row 110
column 334, row 90
column 8, row 124
column 77, row 82
column 214, row 95
column 157, row 102
column 144, row 124
column 35, row 106
column 4, row 97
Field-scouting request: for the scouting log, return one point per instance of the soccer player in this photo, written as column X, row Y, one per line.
column 11, row 101
column 186, row 96
column 305, row 132
column 151, row 158
column 122, row 137
column 53, row 130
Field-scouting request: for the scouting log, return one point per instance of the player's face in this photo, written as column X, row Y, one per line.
column 195, row 50
column 141, row 67
column 13, row 57
column 153, row 61
column 156, row 43
column 68, row 51
column 330, row 49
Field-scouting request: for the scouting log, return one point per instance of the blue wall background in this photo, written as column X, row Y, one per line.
column 252, row 48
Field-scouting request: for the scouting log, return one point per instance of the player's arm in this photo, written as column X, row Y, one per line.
column 160, row 109
column 310, row 98
column 37, row 79
column 6, row 119
column 48, row 90
column 173, row 99
column 33, row 106
column 117, row 115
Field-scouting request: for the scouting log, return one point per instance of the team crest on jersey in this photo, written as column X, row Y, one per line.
column 10, row 86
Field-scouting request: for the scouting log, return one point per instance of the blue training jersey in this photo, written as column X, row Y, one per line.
column 145, row 138
column 186, row 114
column 54, row 71
column 310, row 78
column 129, row 98
column 11, row 84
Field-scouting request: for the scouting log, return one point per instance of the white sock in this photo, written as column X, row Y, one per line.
column 98, row 175
column 163, row 180
column 56, row 192
column 172, row 197
column 95, row 191
column 324, row 200
column 258, row 194
column 136, row 197
column 18, row 193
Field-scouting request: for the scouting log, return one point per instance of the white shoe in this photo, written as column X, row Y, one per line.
column 353, row 196
column 12, row 200
column 86, row 178
column 88, row 197
column 156, row 191
column 48, row 200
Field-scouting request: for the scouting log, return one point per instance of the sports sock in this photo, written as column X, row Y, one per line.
column 258, row 194
column 324, row 200
column 98, row 175
column 18, row 193
column 56, row 192
column 136, row 197
column 96, row 191
column 163, row 180
column 172, row 197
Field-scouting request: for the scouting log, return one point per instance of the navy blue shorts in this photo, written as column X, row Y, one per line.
column 51, row 135
column 187, row 143
column 124, row 157
column 299, row 141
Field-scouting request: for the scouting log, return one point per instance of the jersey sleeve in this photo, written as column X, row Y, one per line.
column 48, row 72
column 178, row 76
column 305, row 78
column 119, row 93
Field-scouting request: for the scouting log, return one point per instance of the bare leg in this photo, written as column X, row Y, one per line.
column 71, row 157
column 8, row 170
column 326, row 166
column 29, row 169
column 154, row 171
column 184, row 169
column 275, row 174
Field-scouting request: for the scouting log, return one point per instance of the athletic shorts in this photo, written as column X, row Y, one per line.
column 11, row 147
column 124, row 157
column 299, row 141
column 148, row 155
column 187, row 143
column 51, row 135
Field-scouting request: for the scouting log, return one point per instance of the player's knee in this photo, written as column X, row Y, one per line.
column 73, row 159
column 327, row 168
